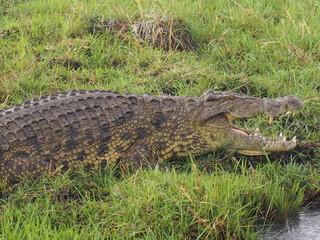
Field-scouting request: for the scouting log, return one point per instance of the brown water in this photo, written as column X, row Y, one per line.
column 305, row 226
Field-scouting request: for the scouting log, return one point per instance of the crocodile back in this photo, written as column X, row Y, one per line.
column 91, row 129
column 55, row 130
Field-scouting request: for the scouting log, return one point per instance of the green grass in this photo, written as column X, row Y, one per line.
column 154, row 204
column 260, row 48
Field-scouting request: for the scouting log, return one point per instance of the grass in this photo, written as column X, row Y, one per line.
column 154, row 204
column 260, row 48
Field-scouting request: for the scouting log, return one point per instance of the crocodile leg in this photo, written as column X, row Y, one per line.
column 21, row 165
column 140, row 155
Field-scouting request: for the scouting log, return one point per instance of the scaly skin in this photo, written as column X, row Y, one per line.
column 104, row 128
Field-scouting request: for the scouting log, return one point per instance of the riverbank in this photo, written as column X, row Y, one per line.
column 181, row 48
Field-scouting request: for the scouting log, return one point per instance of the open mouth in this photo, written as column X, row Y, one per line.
column 235, row 106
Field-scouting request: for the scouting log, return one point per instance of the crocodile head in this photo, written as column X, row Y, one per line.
column 221, row 108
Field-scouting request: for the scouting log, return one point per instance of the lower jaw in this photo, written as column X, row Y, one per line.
column 253, row 152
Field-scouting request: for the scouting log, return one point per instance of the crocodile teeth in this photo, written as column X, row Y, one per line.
column 270, row 119
column 293, row 113
column 283, row 138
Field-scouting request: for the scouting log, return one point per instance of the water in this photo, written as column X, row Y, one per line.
column 305, row 226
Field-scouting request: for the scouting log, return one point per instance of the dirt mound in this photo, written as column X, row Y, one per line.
column 165, row 33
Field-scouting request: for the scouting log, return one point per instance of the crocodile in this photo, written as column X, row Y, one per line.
column 97, row 128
